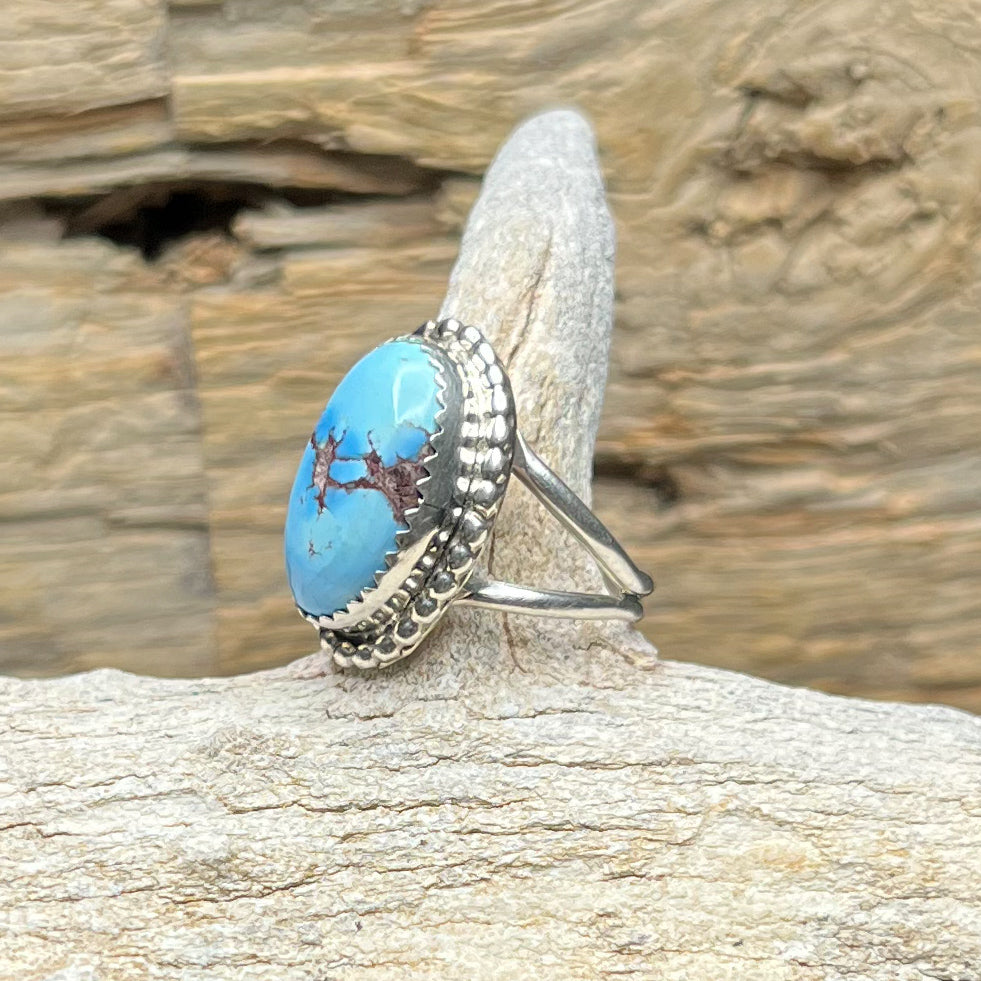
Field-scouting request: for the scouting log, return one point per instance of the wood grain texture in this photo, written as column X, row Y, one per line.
column 795, row 396
column 61, row 58
column 102, row 491
column 674, row 823
column 506, row 803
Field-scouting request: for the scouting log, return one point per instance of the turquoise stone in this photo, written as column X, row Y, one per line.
column 358, row 474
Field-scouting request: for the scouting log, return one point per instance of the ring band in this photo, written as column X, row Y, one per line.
column 397, row 493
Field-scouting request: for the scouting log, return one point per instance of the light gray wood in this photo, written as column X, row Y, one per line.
column 512, row 802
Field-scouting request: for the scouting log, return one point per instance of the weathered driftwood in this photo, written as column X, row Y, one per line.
column 521, row 799
column 792, row 433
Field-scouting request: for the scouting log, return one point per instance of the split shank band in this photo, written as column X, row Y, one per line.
column 627, row 583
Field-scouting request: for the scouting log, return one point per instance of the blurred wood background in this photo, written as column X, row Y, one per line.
column 209, row 210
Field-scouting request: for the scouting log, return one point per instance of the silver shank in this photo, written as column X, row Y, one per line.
column 573, row 514
column 505, row 597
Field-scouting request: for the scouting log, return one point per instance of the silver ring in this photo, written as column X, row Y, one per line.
column 397, row 493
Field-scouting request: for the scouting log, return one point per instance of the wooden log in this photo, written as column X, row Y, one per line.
column 511, row 802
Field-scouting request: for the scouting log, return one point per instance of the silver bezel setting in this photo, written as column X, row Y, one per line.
column 460, row 496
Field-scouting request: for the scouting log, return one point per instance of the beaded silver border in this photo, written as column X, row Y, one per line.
column 467, row 476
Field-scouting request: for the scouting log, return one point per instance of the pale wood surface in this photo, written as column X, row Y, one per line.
column 676, row 823
column 791, row 437
column 512, row 802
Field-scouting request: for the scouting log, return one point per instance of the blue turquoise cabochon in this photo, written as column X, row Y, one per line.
column 357, row 477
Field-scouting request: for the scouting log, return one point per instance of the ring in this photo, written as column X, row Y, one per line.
column 397, row 492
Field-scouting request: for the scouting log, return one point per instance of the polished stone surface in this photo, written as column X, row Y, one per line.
column 358, row 474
